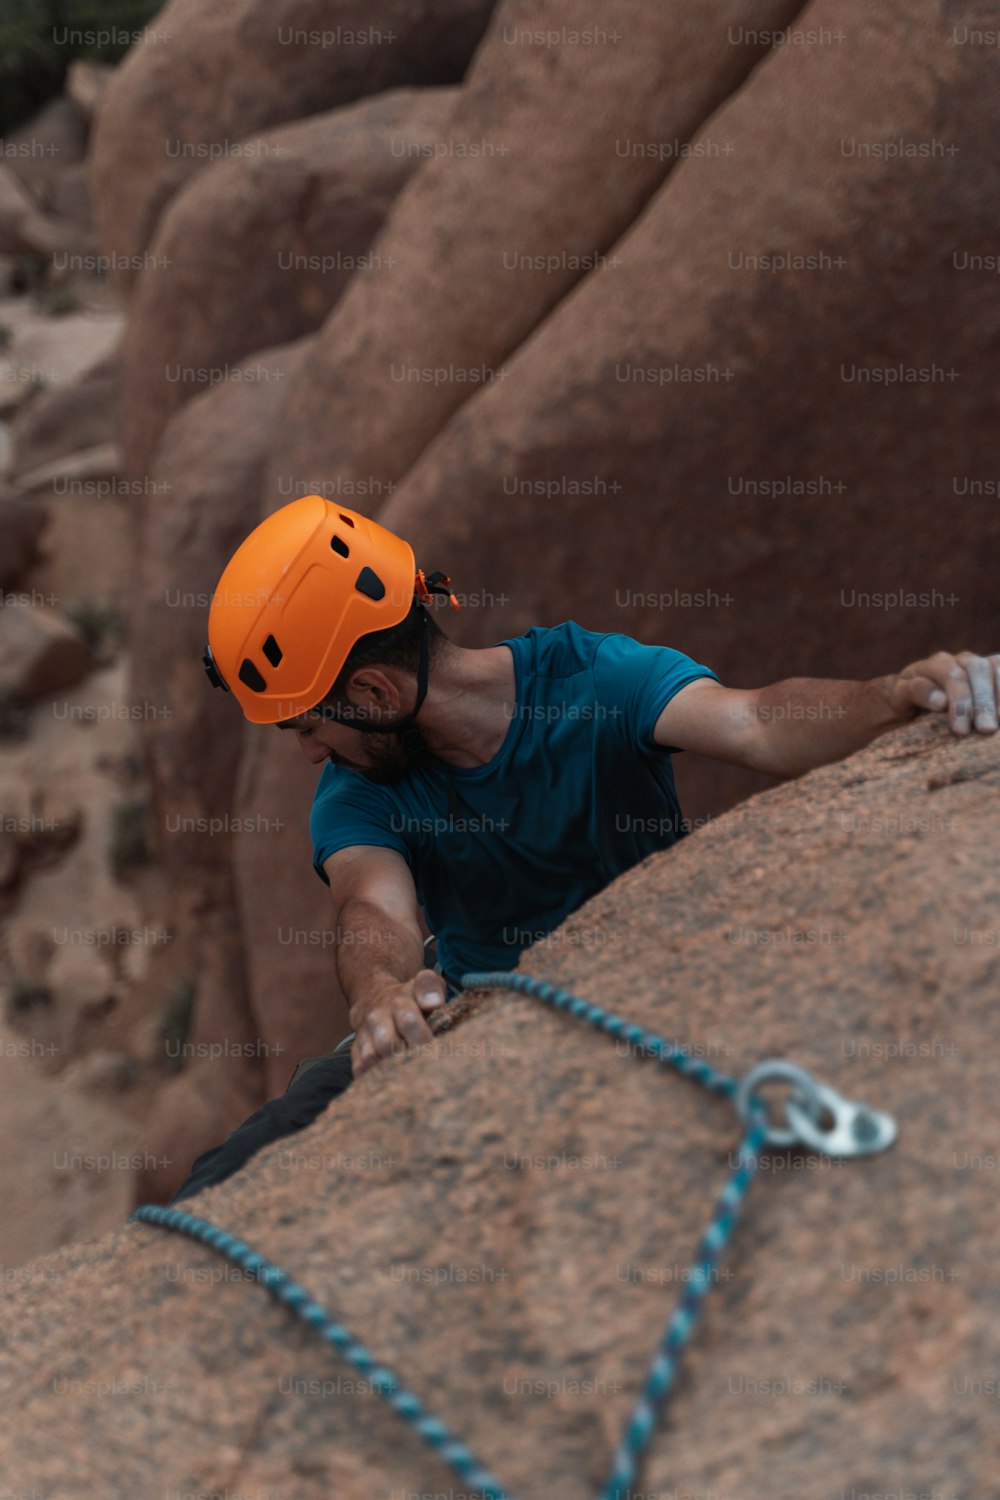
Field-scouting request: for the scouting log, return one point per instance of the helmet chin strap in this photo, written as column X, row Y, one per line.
column 410, row 737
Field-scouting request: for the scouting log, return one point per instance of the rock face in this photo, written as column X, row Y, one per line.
column 21, row 525
column 24, row 228
column 50, row 144
column 723, row 442
column 279, row 62
column 63, row 420
column 86, row 85
column 740, row 340
column 307, row 201
column 525, row 1180
column 40, row 651
column 271, row 1002
column 552, row 151
column 68, row 1176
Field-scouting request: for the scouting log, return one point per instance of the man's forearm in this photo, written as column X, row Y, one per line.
column 804, row 722
column 374, row 950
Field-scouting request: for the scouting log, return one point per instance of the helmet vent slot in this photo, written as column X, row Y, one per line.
column 368, row 582
column 272, row 651
column 347, row 520
column 339, row 546
column 250, row 676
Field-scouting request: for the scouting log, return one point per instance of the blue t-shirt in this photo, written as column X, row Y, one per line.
column 578, row 792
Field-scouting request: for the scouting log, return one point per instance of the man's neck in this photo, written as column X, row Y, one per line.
column 471, row 700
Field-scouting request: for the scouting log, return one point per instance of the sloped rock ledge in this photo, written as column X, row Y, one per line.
column 506, row 1217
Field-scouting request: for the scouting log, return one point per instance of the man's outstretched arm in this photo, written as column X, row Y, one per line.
column 380, row 953
column 802, row 722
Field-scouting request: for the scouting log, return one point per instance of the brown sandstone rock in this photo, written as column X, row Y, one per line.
column 286, row 914
column 67, row 1170
column 695, row 449
column 82, row 984
column 256, row 249
column 49, row 144
column 87, row 471
column 252, row 991
column 44, row 351
column 31, row 946
column 10, row 860
column 21, row 525
column 68, row 198
column 40, row 651
column 48, row 156
column 24, row 228
column 86, row 85
column 846, row 921
column 439, row 296
column 193, row 1113
column 42, row 818
column 103, row 1073
column 552, row 151
column 76, row 414
column 167, row 113
column 622, row 486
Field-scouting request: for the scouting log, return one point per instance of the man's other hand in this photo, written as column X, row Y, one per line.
column 964, row 686
column 394, row 1019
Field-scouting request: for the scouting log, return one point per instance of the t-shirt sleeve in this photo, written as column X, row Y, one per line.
column 347, row 811
column 634, row 683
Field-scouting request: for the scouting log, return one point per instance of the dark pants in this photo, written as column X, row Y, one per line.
column 315, row 1082
column 308, row 1094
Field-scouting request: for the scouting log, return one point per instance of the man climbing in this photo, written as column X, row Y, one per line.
column 486, row 794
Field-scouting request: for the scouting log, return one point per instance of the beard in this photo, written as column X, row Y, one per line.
column 387, row 759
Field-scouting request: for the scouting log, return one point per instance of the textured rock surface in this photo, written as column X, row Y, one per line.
column 67, row 1161
column 24, row 228
column 45, row 351
column 50, row 144
column 21, row 525
column 40, row 651
column 69, row 1164
column 515, row 179
column 86, row 85
column 252, row 991
column 277, row 233
column 78, row 414
column 552, row 151
column 847, row 921
column 676, row 450
column 643, row 436
column 246, row 67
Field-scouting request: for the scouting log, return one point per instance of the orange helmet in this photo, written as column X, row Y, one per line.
column 294, row 599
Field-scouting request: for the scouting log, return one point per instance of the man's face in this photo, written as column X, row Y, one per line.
column 380, row 757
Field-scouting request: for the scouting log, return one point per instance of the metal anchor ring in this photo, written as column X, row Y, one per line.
column 857, row 1129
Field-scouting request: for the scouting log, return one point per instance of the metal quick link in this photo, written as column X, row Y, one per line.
column 852, row 1129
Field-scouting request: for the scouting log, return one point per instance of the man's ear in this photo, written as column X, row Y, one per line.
column 371, row 685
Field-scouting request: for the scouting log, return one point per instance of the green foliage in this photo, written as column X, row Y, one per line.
column 40, row 38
